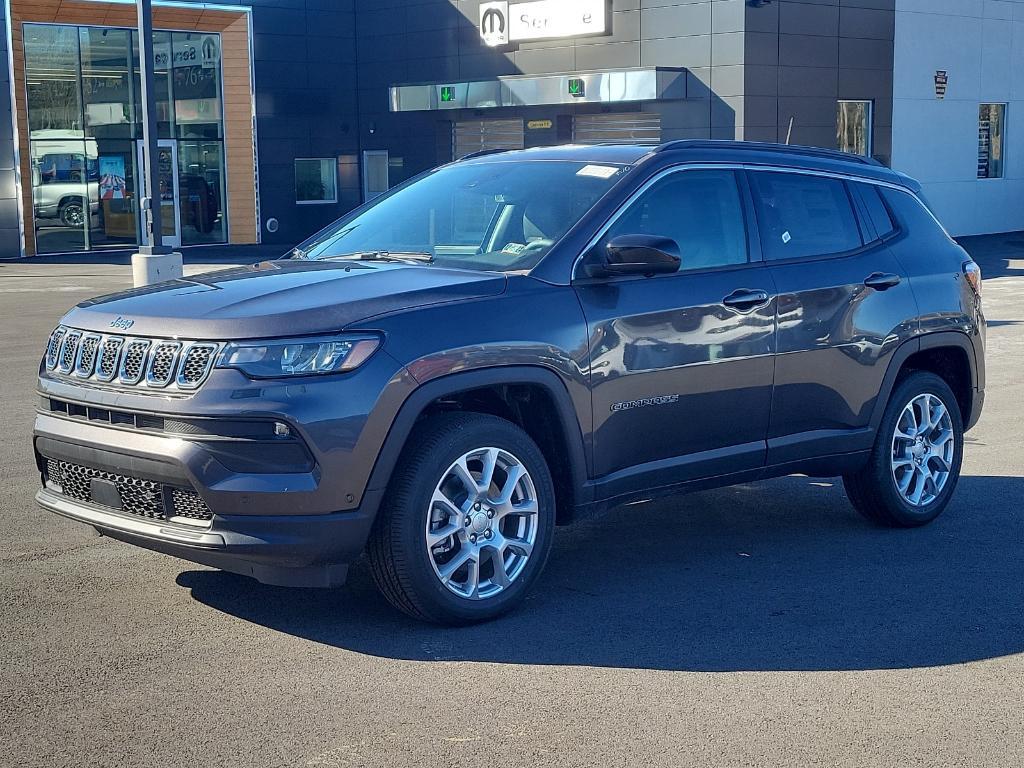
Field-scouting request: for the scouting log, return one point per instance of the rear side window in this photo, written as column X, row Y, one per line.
column 802, row 216
column 878, row 214
column 701, row 210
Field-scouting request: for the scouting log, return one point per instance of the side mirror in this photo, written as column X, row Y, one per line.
column 636, row 255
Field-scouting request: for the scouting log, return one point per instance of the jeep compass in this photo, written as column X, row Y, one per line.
column 514, row 341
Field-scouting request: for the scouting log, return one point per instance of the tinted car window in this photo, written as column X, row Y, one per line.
column 700, row 210
column 800, row 215
column 878, row 214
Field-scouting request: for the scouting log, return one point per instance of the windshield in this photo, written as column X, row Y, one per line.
column 498, row 216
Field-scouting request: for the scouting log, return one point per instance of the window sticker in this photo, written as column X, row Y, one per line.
column 786, row 237
column 514, row 248
column 598, row 171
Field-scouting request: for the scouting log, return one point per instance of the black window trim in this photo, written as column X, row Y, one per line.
column 744, row 168
column 854, row 205
column 897, row 228
column 754, row 253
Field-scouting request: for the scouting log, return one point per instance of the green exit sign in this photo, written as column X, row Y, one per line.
column 577, row 87
column 447, row 93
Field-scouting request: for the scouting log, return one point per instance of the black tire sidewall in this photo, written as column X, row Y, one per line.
column 409, row 523
column 901, row 511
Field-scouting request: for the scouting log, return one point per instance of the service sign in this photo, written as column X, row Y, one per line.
column 504, row 22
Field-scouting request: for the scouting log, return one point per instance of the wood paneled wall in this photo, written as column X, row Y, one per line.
column 238, row 113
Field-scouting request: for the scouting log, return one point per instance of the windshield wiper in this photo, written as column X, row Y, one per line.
column 417, row 256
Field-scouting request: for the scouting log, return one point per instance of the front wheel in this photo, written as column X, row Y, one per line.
column 915, row 463
column 467, row 521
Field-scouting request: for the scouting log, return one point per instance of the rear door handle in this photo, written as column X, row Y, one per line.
column 745, row 299
column 882, row 281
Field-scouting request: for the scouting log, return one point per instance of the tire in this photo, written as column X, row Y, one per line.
column 72, row 213
column 426, row 491
column 875, row 490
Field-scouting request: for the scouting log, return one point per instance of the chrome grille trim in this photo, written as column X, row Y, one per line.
column 195, row 365
column 126, row 362
column 133, row 361
column 85, row 360
column 110, row 356
column 53, row 346
column 162, row 362
column 68, row 351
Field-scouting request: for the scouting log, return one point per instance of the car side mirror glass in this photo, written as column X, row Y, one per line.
column 646, row 255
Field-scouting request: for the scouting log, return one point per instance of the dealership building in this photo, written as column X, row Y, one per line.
column 276, row 116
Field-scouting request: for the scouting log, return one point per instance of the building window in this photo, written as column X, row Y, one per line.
column 85, row 131
column 315, row 181
column 991, row 126
column 853, row 127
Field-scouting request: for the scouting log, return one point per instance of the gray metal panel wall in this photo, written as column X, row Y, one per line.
column 801, row 57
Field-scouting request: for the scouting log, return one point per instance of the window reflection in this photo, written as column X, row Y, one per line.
column 85, row 127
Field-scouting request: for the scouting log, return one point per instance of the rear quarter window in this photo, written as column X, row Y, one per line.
column 915, row 220
column 803, row 216
column 878, row 213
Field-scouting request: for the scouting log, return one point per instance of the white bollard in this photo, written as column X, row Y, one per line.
column 148, row 269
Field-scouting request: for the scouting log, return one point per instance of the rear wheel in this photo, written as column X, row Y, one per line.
column 915, row 463
column 72, row 213
column 467, row 521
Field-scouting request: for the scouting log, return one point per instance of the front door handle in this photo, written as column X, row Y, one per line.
column 882, row 281
column 744, row 299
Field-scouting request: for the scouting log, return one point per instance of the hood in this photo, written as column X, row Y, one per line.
column 279, row 298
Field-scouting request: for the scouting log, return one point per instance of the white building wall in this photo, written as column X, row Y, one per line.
column 980, row 44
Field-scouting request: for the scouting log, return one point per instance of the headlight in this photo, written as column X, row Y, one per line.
column 274, row 358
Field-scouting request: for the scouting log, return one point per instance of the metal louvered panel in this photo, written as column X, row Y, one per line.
column 623, row 128
column 469, row 136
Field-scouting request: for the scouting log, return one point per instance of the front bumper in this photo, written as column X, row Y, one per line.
column 289, row 509
column 285, row 550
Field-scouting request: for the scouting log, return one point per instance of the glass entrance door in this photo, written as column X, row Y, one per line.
column 168, row 194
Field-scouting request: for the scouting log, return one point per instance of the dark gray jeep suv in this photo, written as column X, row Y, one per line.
column 513, row 341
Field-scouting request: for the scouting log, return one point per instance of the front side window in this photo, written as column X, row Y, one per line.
column 991, row 122
column 853, row 127
column 315, row 181
column 701, row 210
column 803, row 216
column 497, row 215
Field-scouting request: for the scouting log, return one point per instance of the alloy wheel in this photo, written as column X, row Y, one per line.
column 482, row 523
column 923, row 445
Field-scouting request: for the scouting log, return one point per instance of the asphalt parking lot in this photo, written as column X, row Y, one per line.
column 762, row 625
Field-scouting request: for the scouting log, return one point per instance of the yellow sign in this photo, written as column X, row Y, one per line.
column 536, row 125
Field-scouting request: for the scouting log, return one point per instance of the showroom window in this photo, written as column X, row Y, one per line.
column 991, row 125
column 853, row 127
column 85, row 133
column 315, row 181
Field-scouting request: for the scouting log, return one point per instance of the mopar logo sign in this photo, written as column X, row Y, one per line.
column 494, row 23
column 504, row 22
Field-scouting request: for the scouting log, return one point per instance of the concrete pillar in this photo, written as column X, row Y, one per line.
column 155, row 268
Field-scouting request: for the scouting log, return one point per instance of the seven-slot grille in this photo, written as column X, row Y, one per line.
column 139, row 497
column 130, row 361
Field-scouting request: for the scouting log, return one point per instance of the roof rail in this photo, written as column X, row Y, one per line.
column 763, row 146
column 482, row 153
